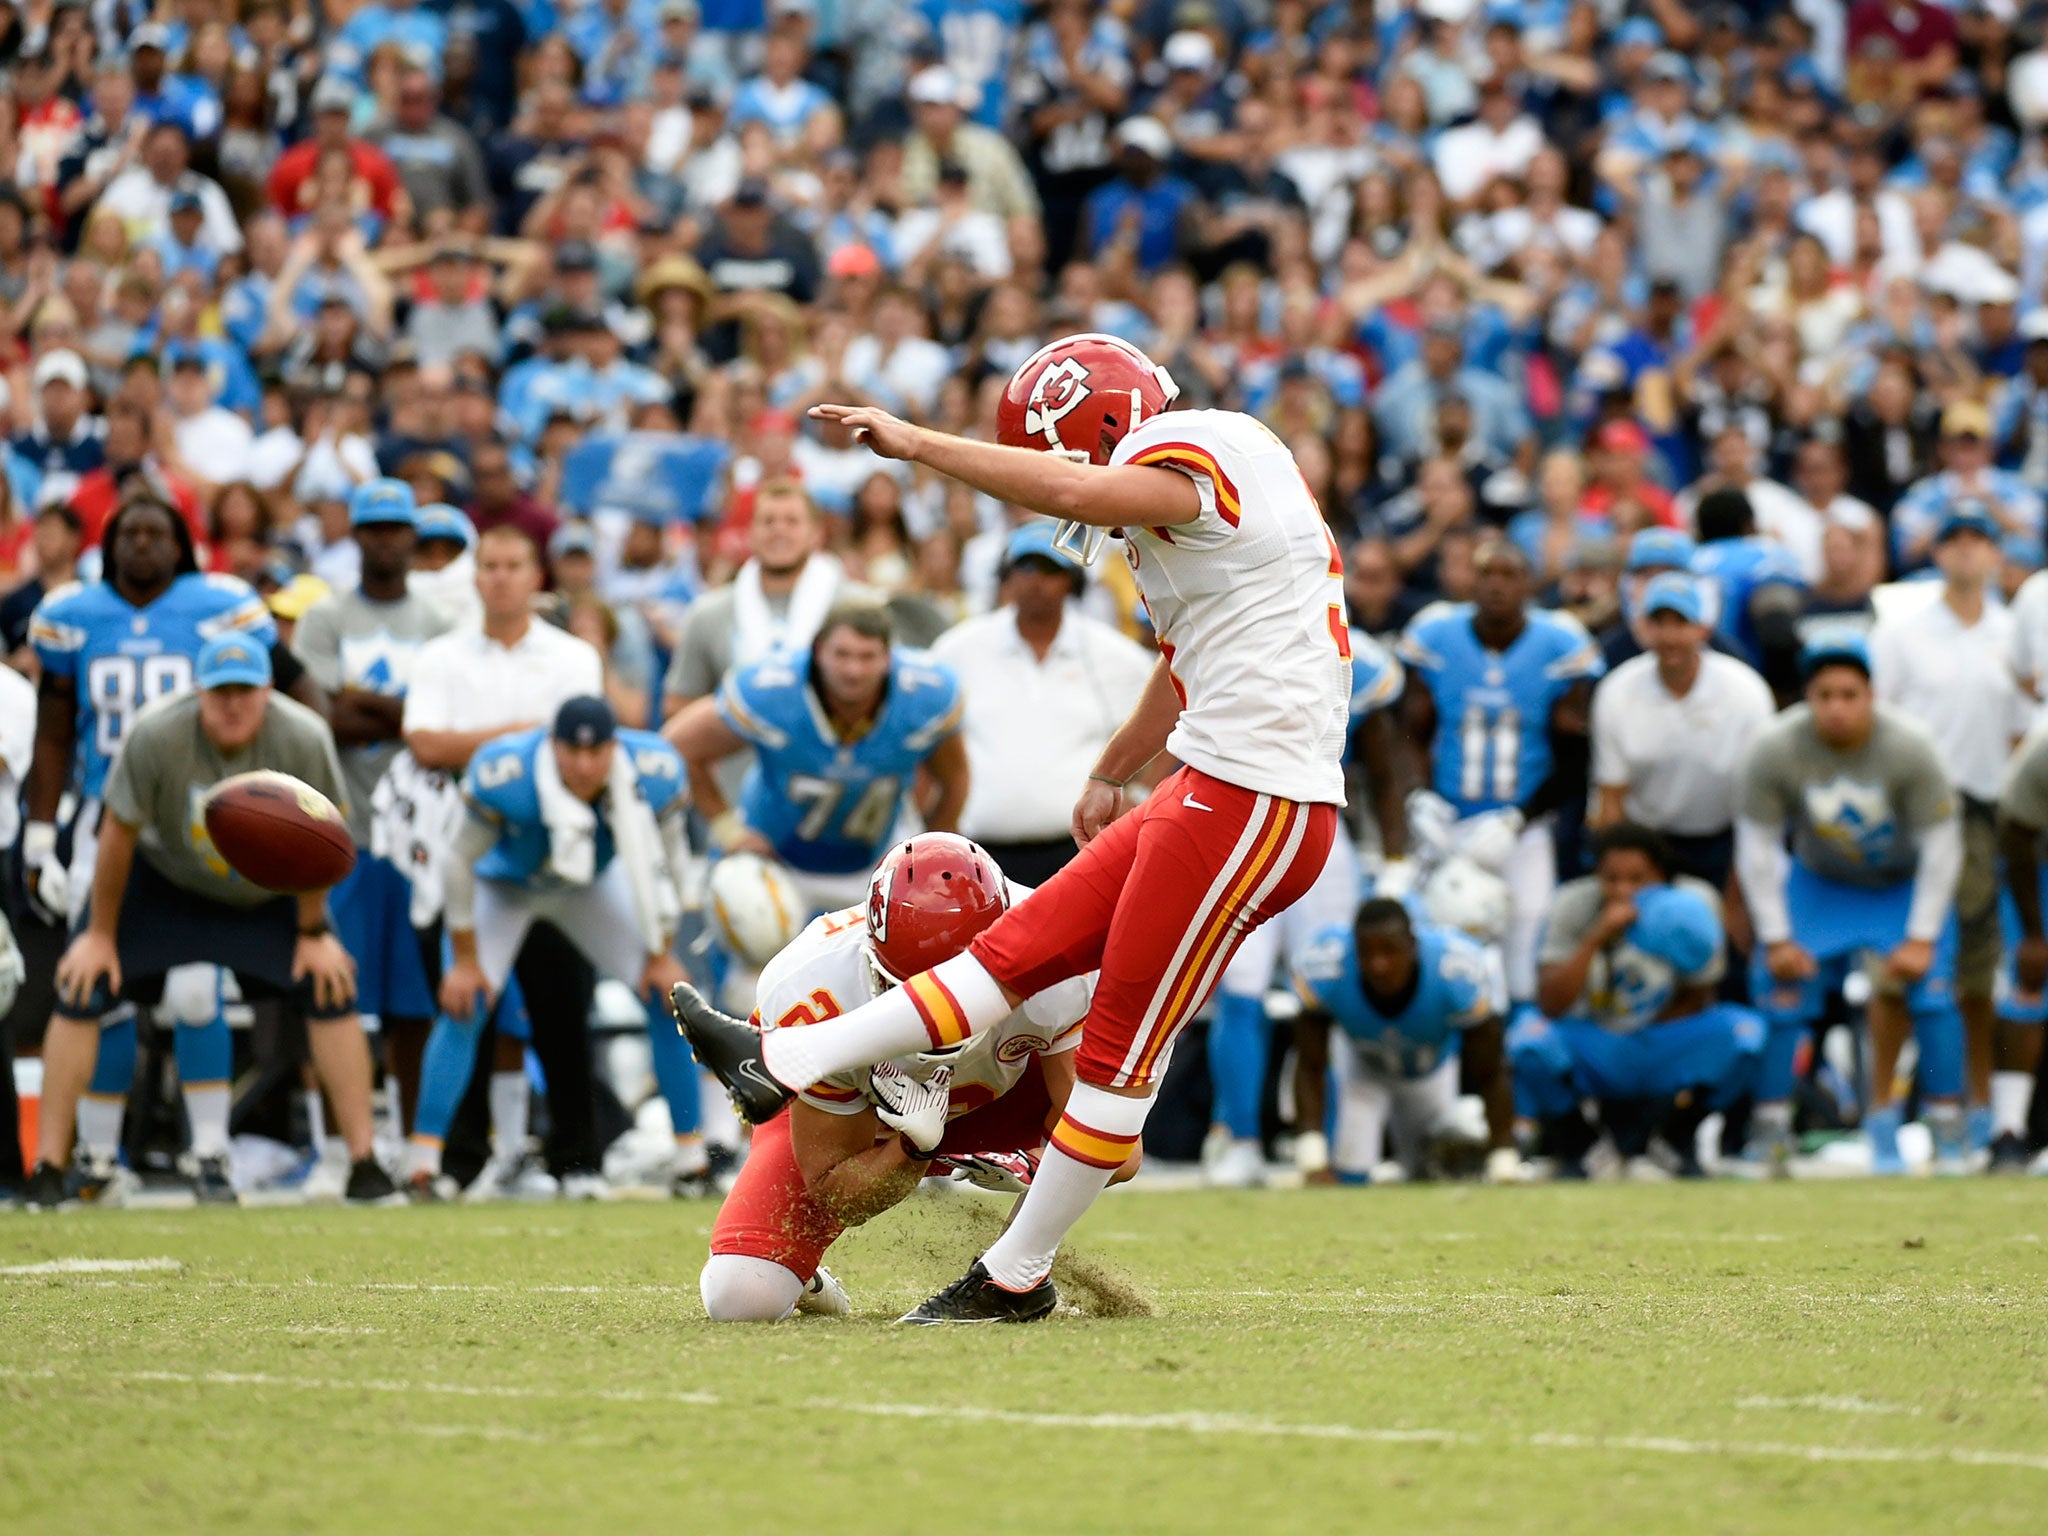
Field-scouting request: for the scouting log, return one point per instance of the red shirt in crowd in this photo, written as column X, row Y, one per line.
column 96, row 500
column 294, row 168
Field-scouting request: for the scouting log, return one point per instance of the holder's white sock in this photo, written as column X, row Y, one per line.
column 2012, row 1099
column 510, row 1102
column 1095, row 1135
column 206, row 1107
column 940, row 1008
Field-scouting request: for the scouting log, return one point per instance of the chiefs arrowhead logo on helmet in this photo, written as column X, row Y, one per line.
column 927, row 899
column 1059, row 388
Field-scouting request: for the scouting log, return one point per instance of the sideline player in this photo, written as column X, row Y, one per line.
column 1251, row 693
column 162, row 897
column 1499, row 706
column 1411, row 1003
column 107, row 648
column 839, row 737
column 1877, row 848
column 854, row 1144
column 579, row 826
column 1631, row 959
column 2023, row 996
column 1240, row 1034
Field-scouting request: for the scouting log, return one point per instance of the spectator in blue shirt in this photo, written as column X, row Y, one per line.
column 1406, row 407
column 1144, row 207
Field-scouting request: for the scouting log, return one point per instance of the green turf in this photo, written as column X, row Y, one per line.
column 1840, row 1357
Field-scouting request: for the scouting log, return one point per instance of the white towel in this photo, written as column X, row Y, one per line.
column 757, row 633
column 571, row 823
column 416, row 814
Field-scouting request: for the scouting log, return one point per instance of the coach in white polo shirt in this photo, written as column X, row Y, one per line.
column 1948, row 665
column 1044, row 687
column 1670, row 728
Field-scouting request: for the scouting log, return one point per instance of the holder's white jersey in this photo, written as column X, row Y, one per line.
column 1248, row 605
column 825, row 973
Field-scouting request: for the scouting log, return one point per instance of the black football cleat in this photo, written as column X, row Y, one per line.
column 45, row 1189
column 731, row 1048
column 210, row 1181
column 2009, row 1153
column 975, row 1298
column 369, row 1184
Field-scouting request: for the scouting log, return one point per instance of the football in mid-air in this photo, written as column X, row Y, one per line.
column 279, row 832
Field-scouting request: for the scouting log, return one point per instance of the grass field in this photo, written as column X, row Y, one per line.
column 1838, row 1357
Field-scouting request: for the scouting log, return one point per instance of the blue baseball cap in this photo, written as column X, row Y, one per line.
column 1639, row 32
column 586, row 721
column 232, row 660
column 1036, row 539
column 1658, row 548
column 1968, row 516
column 1676, row 926
column 1674, row 592
column 438, row 520
column 382, row 501
column 1832, row 647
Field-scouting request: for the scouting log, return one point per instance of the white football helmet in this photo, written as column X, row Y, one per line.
column 755, row 905
column 1461, row 895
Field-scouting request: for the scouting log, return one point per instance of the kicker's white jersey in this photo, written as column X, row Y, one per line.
column 825, row 973
column 1248, row 605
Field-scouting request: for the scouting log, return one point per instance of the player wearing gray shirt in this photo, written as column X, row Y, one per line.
column 360, row 650
column 162, row 897
column 1877, row 848
column 1626, row 987
column 168, row 763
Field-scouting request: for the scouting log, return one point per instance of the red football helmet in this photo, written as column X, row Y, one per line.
column 1078, row 397
column 927, row 899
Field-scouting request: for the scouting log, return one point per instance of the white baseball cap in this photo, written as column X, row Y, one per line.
column 1190, row 51
column 62, row 364
column 1147, row 134
column 936, row 86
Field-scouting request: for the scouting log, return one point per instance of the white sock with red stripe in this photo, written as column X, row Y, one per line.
column 940, row 1008
column 1098, row 1131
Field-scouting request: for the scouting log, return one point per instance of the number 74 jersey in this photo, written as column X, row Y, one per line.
column 1492, row 745
column 120, row 657
column 828, row 805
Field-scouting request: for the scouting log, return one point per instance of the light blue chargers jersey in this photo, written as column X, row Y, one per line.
column 1734, row 571
column 1493, row 708
column 829, row 806
column 120, row 657
column 1461, row 985
column 500, row 790
column 1377, row 678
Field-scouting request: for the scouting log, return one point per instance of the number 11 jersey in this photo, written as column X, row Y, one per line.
column 1492, row 745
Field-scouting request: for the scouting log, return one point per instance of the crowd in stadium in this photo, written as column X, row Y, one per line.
column 1700, row 349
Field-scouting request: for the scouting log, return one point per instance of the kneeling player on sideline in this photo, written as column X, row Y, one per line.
column 1877, row 849
column 162, row 896
column 2023, row 994
column 1629, row 966
column 1411, row 1003
column 579, row 826
column 855, row 1143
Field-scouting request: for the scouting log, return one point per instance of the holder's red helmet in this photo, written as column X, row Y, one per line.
column 929, row 897
column 1080, row 395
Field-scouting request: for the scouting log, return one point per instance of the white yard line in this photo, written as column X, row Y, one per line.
column 1825, row 1404
column 1206, row 1425
column 90, row 1266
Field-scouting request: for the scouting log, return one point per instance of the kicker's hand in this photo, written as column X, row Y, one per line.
column 887, row 436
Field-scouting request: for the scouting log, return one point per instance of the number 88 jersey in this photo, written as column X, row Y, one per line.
column 120, row 657
column 829, row 806
column 1492, row 745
